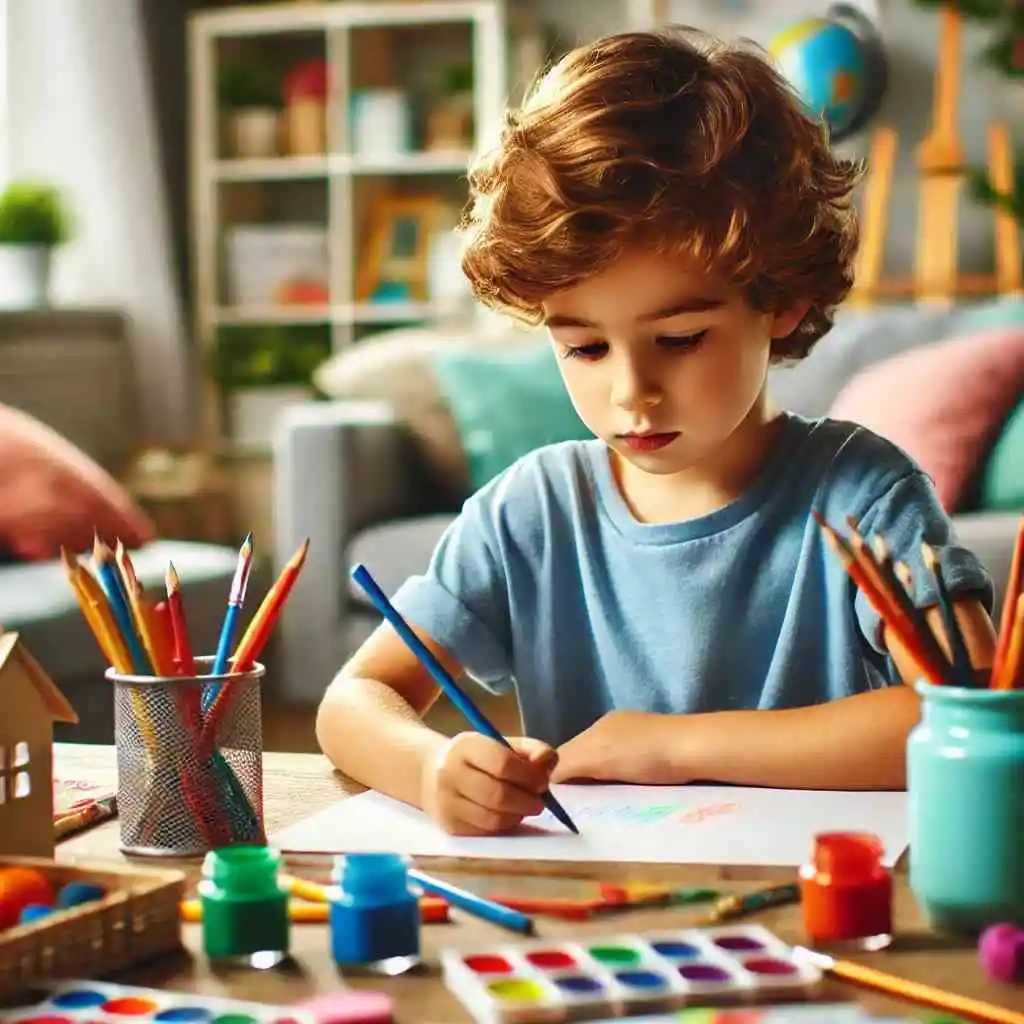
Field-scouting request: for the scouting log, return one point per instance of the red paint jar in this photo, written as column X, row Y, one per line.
column 846, row 892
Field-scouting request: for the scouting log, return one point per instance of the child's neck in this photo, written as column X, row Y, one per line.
column 707, row 486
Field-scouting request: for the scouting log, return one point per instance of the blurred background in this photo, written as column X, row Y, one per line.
column 230, row 297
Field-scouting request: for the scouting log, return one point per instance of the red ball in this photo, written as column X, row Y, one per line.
column 1001, row 952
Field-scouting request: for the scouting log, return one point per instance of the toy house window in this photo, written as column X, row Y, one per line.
column 15, row 781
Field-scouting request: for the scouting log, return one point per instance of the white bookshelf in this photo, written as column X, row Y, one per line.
column 337, row 188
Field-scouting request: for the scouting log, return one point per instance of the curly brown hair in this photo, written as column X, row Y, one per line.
column 672, row 140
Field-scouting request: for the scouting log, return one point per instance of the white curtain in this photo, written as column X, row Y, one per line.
column 80, row 114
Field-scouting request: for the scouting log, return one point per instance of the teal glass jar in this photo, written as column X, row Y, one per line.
column 965, row 788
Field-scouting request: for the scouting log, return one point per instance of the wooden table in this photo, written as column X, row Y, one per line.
column 297, row 785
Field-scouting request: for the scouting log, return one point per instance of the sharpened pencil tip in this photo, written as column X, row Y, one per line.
column 171, row 577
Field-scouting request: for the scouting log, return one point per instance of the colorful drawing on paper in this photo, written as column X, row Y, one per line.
column 672, row 813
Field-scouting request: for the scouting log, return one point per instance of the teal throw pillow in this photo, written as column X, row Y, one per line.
column 505, row 405
column 1002, row 480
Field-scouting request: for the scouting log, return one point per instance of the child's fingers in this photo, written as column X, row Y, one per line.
column 496, row 794
column 536, row 751
column 483, row 820
column 501, row 762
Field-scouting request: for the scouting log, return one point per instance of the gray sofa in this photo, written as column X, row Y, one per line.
column 349, row 475
column 37, row 602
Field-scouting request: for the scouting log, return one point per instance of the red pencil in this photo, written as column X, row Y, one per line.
column 183, row 658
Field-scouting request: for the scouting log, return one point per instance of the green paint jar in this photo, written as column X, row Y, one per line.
column 245, row 908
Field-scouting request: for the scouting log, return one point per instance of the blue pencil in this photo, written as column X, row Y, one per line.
column 236, row 598
column 109, row 579
column 478, row 906
column 443, row 678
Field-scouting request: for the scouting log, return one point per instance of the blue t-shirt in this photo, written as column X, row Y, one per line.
column 547, row 582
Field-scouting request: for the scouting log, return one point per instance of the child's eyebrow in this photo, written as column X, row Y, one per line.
column 691, row 304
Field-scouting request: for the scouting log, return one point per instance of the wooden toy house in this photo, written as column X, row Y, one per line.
column 30, row 703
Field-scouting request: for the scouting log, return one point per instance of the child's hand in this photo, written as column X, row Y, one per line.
column 621, row 746
column 478, row 786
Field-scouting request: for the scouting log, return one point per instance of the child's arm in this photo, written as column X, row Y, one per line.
column 360, row 716
column 856, row 742
column 370, row 727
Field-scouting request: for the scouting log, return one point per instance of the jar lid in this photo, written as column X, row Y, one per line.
column 847, row 856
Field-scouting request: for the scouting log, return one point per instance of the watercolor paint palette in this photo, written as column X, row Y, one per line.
column 627, row 975
column 95, row 1002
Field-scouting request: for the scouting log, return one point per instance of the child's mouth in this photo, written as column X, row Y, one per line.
column 648, row 442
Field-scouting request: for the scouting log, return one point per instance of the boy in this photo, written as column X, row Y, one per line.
column 661, row 597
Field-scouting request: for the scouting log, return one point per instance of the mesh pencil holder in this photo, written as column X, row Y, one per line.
column 189, row 769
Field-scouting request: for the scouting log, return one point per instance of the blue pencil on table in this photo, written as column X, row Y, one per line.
column 478, row 906
column 443, row 678
column 236, row 598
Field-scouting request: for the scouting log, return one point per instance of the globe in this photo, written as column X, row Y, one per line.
column 834, row 64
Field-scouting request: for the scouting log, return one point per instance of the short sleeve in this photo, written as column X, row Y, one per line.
column 909, row 515
column 461, row 600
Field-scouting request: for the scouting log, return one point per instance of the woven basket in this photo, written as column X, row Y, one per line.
column 137, row 919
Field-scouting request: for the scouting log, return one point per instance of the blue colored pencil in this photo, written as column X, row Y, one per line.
column 236, row 598
column 109, row 578
column 478, row 906
column 443, row 678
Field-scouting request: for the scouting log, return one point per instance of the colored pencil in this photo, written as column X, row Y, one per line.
column 184, row 661
column 478, row 906
column 959, row 654
column 262, row 624
column 92, row 616
column 443, row 678
column 94, row 813
column 236, row 599
column 730, row 907
column 1013, row 591
column 902, row 595
column 96, row 600
column 912, row 991
column 133, row 592
column 432, row 911
column 1011, row 671
column 110, row 580
column 900, row 627
column 254, row 639
column 161, row 631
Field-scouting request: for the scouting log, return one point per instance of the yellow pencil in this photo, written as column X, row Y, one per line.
column 95, row 623
column 92, row 593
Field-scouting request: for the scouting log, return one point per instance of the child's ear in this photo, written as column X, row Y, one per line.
column 785, row 321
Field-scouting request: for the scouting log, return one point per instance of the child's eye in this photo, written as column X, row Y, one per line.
column 681, row 342
column 594, row 350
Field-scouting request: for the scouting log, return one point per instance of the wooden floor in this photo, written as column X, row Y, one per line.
column 292, row 729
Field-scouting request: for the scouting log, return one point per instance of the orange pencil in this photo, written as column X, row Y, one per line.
column 161, row 632
column 1013, row 590
column 1011, row 670
column 262, row 624
column 97, row 600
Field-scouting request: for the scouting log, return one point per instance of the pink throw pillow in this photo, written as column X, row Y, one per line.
column 942, row 403
column 53, row 494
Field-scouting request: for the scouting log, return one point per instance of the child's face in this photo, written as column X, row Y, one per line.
column 661, row 362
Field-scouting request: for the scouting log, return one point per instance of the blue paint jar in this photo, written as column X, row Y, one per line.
column 374, row 915
column 965, row 787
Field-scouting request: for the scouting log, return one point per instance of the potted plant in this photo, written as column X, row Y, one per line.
column 250, row 95
column 450, row 118
column 33, row 221
column 263, row 369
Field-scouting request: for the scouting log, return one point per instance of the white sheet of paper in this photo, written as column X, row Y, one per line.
column 644, row 824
